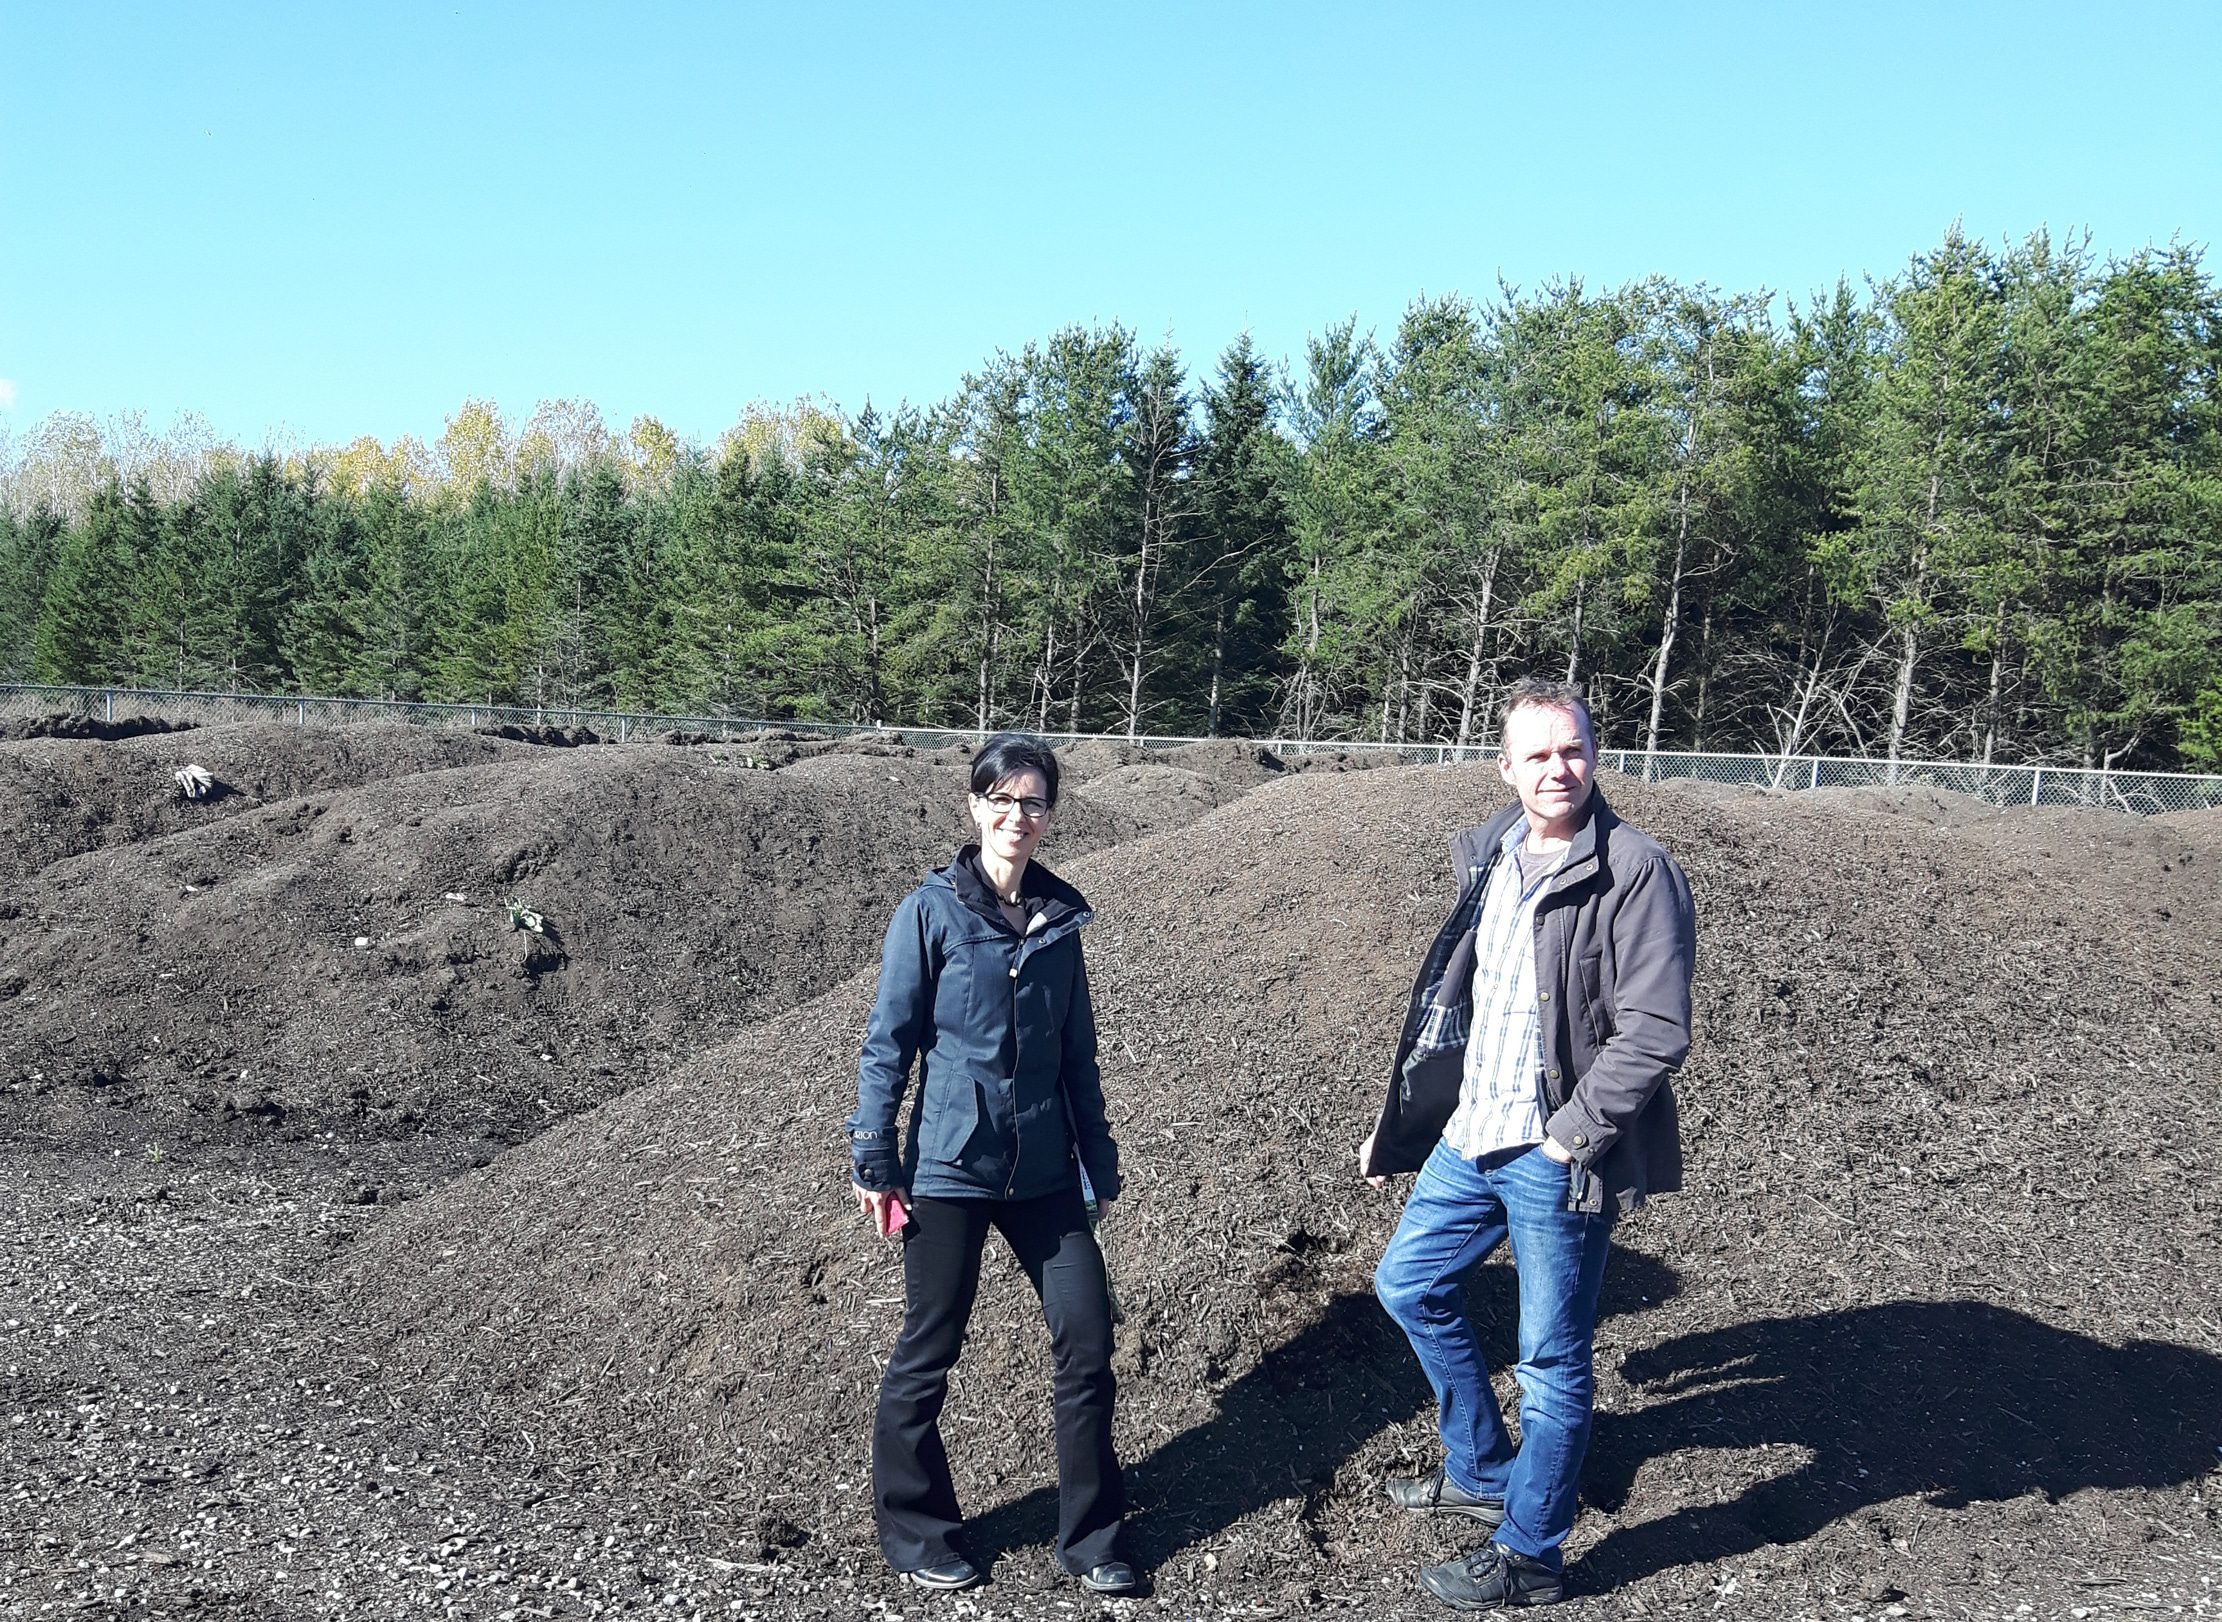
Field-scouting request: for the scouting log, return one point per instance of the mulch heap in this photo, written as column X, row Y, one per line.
column 383, row 931
column 1936, row 1309
column 63, row 794
column 105, row 728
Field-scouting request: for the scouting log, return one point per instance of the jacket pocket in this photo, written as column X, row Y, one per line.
column 948, row 1114
column 1589, row 978
column 978, row 977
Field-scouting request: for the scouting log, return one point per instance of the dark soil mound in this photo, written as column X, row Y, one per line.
column 2164, row 852
column 1340, row 760
column 1234, row 760
column 1946, row 1128
column 1919, row 802
column 92, row 727
column 62, row 798
column 545, row 737
column 1700, row 788
column 350, row 959
column 1092, row 758
column 1158, row 796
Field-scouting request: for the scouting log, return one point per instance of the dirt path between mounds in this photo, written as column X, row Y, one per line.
column 1930, row 1333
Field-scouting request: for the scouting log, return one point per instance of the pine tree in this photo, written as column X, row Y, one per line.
column 27, row 548
column 1160, row 451
column 1929, row 473
column 1335, row 507
column 79, row 639
column 1241, row 557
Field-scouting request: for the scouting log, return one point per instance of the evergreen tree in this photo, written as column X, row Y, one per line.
column 1440, row 565
column 856, row 505
column 80, row 636
column 1928, row 478
column 1240, row 561
column 325, row 639
column 1160, row 451
column 28, row 543
column 398, row 586
column 1074, row 497
column 1335, row 508
column 2135, row 651
column 1589, row 446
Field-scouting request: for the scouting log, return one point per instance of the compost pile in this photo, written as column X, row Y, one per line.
column 1930, row 1332
column 61, row 796
column 424, row 931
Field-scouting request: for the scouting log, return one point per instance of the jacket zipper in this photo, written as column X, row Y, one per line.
column 1018, row 961
column 1011, row 1182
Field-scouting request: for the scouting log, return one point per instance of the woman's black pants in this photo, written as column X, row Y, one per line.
column 913, row 1499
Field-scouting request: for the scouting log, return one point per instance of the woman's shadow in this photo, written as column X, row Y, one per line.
column 1958, row 1401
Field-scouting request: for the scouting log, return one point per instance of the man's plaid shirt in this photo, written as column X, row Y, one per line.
column 1500, row 1097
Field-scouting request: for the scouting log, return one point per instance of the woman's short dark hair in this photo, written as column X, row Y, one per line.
column 1009, row 753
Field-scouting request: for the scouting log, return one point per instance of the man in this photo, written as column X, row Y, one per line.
column 1530, row 1093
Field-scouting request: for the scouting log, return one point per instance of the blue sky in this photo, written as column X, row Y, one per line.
column 315, row 221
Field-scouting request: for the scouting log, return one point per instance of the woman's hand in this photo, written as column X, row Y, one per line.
column 878, row 1206
column 1552, row 1151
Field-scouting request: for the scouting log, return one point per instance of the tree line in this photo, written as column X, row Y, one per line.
column 1974, row 511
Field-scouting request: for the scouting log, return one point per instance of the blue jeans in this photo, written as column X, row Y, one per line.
column 1459, row 1211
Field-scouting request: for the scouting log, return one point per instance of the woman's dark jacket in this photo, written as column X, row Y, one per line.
column 1004, row 1038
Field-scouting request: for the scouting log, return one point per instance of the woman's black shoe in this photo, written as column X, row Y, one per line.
column 947, row 1577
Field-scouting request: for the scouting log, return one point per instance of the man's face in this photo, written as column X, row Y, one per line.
column 1548, row 758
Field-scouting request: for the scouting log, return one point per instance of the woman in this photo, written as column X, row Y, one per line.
column 982, row 984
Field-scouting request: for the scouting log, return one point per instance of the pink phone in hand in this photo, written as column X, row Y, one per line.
column 892, row 1216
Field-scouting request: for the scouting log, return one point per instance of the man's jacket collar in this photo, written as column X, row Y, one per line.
column 1479, row 847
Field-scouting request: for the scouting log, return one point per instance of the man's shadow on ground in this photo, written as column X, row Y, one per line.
column 1958, row 1401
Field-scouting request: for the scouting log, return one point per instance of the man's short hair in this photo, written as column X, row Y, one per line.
column 1540, row 693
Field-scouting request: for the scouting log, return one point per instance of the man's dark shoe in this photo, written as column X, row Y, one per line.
column 1112, row 1577
column 1436, row 1494
column 1492, row 1579
column 947, row 1577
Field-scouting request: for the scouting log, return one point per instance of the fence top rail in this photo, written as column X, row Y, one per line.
column 1441, row 749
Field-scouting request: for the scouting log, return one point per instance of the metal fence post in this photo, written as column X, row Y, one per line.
column 2036, row 784
column 110, row 712
column 1815, row 781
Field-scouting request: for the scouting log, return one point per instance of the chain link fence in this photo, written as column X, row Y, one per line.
column 2139, row 793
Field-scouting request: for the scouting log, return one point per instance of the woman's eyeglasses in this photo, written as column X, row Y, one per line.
column 1031, row 809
